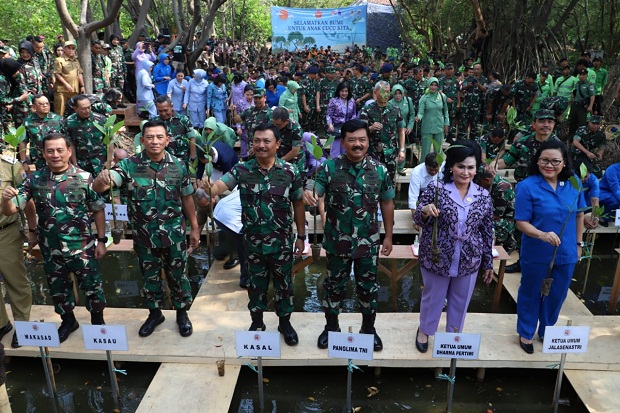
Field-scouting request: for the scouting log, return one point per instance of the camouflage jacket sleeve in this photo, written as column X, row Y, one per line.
column 94, row 201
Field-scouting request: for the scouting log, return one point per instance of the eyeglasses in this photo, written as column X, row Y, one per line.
column 554, row 162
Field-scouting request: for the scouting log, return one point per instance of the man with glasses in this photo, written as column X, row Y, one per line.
column 40, row 123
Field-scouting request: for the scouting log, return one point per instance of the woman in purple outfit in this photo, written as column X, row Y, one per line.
column 464, row 214
column 340, row 109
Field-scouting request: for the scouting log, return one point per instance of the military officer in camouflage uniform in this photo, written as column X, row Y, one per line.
column 449, row 86
column 309, row 89
column 355, row 186
column 11, row 254
column 268, row 186
column 582, row 103
column 253, row 116
column 387, row 129
column 492, row 145
column 290, row 149
column 39, row 124
column 327, row 89
column 497, row 104
column 361, row 88
column 589, row 143
column 180, row 130
column 524, row 94
column 89, row 151
column 471, row 102
column 503, row 197
column 100, row 83
column 119, row 68
column 160, row 201
column 29, row 79
column 46, row 63
column 66, row 205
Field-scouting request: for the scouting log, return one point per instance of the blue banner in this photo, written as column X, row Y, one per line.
column 295, row 29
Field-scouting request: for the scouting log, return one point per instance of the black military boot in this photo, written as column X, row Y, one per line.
column 154, row 319
column 96, row 319
column 185, row 326
column 332, row 325
column 69, row 325
column 368, row 327
column 257, row 321
column 286, row 329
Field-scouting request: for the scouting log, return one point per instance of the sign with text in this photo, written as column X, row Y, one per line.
column 617, row 223
column 38, row 334
column 567, row 339
column 350, row 346
column 456, row 346
column 105, row 337
column 121, row 212
column 257, row 344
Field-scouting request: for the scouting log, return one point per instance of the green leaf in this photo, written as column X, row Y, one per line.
column 209, row 169
column 310, row 147
column 314, row 140
column 583, row 171
column 573, row 181
column 330, row 140
column 436, row 145
column 317, row 152
column 117, row 127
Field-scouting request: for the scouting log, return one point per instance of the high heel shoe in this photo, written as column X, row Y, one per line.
column 528, row 348
column 422, row 347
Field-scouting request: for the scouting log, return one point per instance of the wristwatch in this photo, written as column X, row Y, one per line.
column 301, row 237
column 102, row 239
column 581, row 244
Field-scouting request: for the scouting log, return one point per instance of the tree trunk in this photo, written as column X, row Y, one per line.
column 144, row 9
column 207, row 26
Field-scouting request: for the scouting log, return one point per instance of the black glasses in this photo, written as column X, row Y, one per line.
column 545, row 161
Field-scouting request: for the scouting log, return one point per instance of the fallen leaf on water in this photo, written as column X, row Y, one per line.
column 116, row 411
column 428, row 386
column 372, row 391
column 86, row 383
column 99, row 387
column 500, row 389
column 311, row 398
column 356, row 409
column 265, row 380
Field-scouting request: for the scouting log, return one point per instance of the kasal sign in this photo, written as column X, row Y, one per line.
column 257, row 344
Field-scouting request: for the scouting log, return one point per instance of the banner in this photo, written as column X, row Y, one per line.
column 296, row 29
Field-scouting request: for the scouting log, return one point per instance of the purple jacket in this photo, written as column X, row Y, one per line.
column 338, row 113
column 476, row 234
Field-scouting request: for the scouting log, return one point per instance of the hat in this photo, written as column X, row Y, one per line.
column 449, row 66
column 299, row 74
column 544, row 73
column 330, row 69
column 583, row 72
column 106, row 46
column 596, row 119
column 69, row 43
column 259, row 92
column 387, row 68
column 586, row 53
column 545, row 114
column 4, row 50
column 312, row 70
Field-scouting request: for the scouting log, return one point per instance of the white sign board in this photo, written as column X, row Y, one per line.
column 617, row 223
column 350, row 346
column 121, row 212
column 257, row 344
column 567, row 339
column 105, row 337
column 456, row 346
column 38, row 334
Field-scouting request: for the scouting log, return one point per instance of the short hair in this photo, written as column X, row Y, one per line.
column 248, row 87
column 38, row 96
column 80, row 98
column 95, row 42
column 499, row 132
column 54, row 136
column 531, row 75
column 352, row 126
column 582, row 62
column 201, row 194
column 382, row 84
column 430, row 160
column 280, row 113
column 153, row 124
column 343, row 85
column 268, row 126
column 163, row 99
column 566, row 172
column 458, row 152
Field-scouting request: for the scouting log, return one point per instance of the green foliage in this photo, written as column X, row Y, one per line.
column 15, row 137
column 109, row 130
column 315, row 149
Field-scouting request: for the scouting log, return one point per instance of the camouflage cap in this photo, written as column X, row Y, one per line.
column 596, row 119
column 545, row 114
column 4, row 50
column 330, row 69
column 259, row 92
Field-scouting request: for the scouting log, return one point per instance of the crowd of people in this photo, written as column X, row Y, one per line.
column 375, row 106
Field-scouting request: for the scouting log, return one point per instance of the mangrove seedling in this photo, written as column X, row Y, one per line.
column 206, row 145
column 13, row 139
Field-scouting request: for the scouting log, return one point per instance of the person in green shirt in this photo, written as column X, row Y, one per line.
column 599, row 85
column 565, row 84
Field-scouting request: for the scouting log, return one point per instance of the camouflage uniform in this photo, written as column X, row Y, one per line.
column 6, row 99
column 36, row 129
column 63, row 202
column 352, row 196
column 99, row 80
column 593, row 142
column 119, row 68
column 581, row 100
column 384, row 143
column 31, row 79
column 90, row 151
column 359, row 88
column 523, row 94
column 266, row 215
column 180, row 130
column 327, row 89
column 495, row 102
column 471, row 105
column 520, row 154
column 488, row 148
column 291, row 136
column 450, row 87
column 46, row 64
column 155, row 191
column 251, row 118
column 503, row 197
column 309, row 88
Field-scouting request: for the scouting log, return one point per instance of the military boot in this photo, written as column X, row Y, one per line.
column 69, row 325
column 332, row 325
column 185, row 326
column 257, row 321
column 96, row 319
column 154, row 319
column 286, row 329
column 368, row 327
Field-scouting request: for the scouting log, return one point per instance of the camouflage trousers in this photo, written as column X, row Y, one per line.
column 172, row 261
column 118, row 83
column 470, row 117
column 505, row 230
column 310, row 121
column 279, row 267
column 57, row 266
column 366, row 285
column 388, row 158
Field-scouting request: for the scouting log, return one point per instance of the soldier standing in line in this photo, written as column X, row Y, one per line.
column 11, row 256
column 326, row 91
column 88, row 150
column 159, row 202
column 355, row 187
column 360, row 87
column 582, row 102
column 180, row 130
column 524, row 94
column 40, row 123
column 473, row 90
column 119, row 68
column 100, row 84
column 309, row 89
column 268, row 185
column 290, row 149
column 46, row 63
column 252, row 117
column 449, row 86
column 65, row 205
column 387, row 129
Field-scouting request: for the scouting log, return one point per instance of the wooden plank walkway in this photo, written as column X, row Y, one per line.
column 598, row 390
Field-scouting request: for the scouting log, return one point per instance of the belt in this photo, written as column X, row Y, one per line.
column 7, row 225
